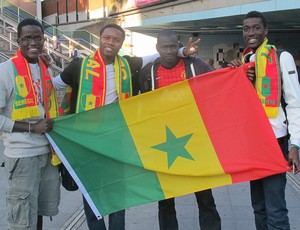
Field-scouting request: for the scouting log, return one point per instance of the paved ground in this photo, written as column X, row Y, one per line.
column 233, row 203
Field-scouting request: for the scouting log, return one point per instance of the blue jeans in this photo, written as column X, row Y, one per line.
column 268, row 199
column 209, row 218
column 116, row 220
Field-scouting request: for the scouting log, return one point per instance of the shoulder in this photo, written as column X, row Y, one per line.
column 7, row 73
column 135, row 63
column 6, row 67
column 288, row 68
column 286, row 60
column 199, row 65
column 74, row 65
column 147, row 68
column 132, row 59
column 285, row 56
column 6, row 63
column 72, row 71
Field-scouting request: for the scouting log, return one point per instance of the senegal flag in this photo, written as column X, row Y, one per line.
column 201, row 133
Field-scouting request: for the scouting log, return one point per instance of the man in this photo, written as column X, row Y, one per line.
column 56, row 46
column 232, row 53
column 27, row 104
column 164, row 71
column 268, row 194
column 210, row 62
column 100, row 79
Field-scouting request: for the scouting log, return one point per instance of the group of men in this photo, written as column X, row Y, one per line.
column 28, row 104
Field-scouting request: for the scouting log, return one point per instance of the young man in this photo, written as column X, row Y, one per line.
column 164, row 71
column 27, row 104
column 274, row 80
column 100, row 79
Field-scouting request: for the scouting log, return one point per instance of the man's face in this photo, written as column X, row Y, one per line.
column 111, row 42
column 31, row 42
column 167, row 47
column 254, row 32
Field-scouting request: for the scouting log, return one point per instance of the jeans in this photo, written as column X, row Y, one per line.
column 209, row 218
column 116, row 220
column 268, row 199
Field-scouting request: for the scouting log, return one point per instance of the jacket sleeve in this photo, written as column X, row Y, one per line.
column 200, row 66
column 6, row 97
column 291, row 95
column 72, row 71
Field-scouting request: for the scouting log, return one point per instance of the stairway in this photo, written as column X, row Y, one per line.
column 11, row 15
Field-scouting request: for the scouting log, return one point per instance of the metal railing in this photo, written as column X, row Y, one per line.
column 3, row 57
column 84, row 40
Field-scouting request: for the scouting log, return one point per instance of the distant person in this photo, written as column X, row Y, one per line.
column 268, row 194
column 56, row 46
column 27, row 106
column 211, row 62
column 164, row 71
column 75, row 53
column 232, row 53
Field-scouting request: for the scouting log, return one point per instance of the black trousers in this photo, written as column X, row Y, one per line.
column 209, row 218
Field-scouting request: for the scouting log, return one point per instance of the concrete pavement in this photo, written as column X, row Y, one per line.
column 233, row 203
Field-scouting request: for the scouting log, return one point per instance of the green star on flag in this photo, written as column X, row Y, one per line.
column 175, row 147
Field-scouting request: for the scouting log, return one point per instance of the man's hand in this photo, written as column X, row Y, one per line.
column 250, row 69
column 293, row 159
column 46, row 58
column 43, row 126
column 191, row 48
column 235, row 63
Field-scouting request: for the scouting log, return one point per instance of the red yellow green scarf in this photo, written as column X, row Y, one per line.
column 268, row 77
column 25, row 102
column 92, row 86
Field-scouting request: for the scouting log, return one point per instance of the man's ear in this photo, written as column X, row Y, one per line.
column 266, row 32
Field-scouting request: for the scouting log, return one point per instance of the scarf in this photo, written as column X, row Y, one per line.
column 92, row 85
column 25, row 103
column 268, row 77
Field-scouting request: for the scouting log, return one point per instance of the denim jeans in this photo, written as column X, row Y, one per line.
column 116, row 220
column 209, row 218
column 268, row 199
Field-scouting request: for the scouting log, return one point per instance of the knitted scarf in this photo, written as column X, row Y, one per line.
column 92, row 85
column 268, row 77
column 25, row 103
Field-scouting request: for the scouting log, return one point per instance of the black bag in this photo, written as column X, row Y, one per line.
column 67, row 180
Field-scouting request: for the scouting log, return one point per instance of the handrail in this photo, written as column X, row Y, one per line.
column 7, row 9
column 4, row 56
column 15, row 13
column 8, row 40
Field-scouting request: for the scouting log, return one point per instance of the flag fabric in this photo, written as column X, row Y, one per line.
column 205, row 132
